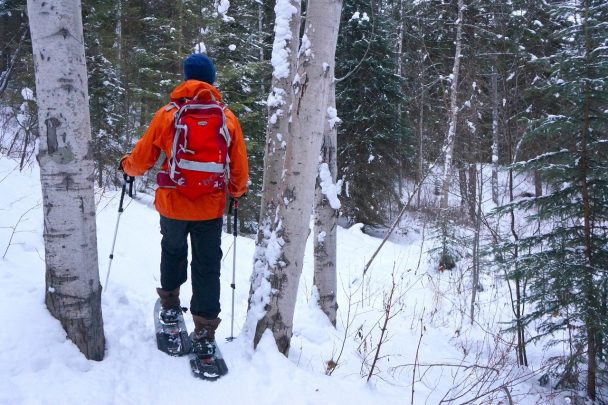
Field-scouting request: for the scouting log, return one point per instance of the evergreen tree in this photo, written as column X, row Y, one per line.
column 372, row 139
column 106, row 91
column 566, row 262
column 239, row 41
column 18, row 118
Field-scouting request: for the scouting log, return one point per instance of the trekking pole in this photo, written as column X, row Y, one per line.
column 234, row 203
column 127, row 180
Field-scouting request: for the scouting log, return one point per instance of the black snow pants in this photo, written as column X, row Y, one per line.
column 205, row 239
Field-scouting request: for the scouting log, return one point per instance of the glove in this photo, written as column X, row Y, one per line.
column 120, row 168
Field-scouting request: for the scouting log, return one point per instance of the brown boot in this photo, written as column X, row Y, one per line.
column 203, row 337
column 169, row 299
column 205, row 328
column 170, row 308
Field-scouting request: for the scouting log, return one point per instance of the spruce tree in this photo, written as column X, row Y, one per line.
column 238, row 40
column 566, row 262
column 106, row 90
column 372, row 136
column 16, row 77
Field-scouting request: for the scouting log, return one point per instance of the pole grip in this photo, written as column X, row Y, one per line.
column 130, row 180
column 122, row 194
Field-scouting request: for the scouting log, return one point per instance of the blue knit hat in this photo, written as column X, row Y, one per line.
column 198, row 66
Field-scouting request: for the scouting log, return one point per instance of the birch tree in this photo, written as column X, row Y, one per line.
column 495, row 136
column 73, row 291
column 451, row 135
column 268, row 241
column 326, row 201
column 290, row 226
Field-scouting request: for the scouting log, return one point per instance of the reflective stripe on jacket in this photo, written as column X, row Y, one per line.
column 158, row 138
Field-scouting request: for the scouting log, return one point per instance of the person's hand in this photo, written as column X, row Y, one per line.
column 120, row 168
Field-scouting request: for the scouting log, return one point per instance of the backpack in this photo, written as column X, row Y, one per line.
column 199, row 152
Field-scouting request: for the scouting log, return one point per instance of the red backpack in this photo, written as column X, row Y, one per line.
column 199, row 153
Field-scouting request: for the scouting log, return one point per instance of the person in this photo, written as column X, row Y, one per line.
column 200, row 218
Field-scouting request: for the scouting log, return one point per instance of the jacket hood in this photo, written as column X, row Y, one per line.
column 190, row 88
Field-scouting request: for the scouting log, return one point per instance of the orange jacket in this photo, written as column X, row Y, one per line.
column 158, row 138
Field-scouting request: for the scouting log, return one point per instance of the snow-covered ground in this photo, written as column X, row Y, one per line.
column 429, row 353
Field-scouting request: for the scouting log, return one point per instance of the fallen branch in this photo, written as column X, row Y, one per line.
column 396, row 222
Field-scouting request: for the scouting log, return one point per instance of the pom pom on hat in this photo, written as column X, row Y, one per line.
column 198, row 66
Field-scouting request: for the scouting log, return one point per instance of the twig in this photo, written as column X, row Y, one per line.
column 9, row 173
column 416, row 358
column 504, row 387
column 387, row 316
column 14, row 228
column 332, row 364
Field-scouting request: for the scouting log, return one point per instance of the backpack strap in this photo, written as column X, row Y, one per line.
column 207, row 92
column 171, row 106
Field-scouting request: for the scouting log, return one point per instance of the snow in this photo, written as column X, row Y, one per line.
column 358, row 17
column 332, row 117
column 471, row 126
column 305, row 46
column 38, row 365
column 200, row 48
column 329, row 189
column 222, row 8
column 321, row 238
column 27, row 94
column 284, row 11
column 275, row 100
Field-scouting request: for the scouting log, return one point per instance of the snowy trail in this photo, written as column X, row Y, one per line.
column 39, row 366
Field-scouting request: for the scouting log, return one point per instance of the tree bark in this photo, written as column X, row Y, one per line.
column 538, row 184
column 73, row 291
column 325, row 258
column 451, row 136
column 592, row 321
column 280, row 100
column 295, row 192
column 495, row 138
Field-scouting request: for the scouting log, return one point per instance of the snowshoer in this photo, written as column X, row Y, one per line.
column 181, row 215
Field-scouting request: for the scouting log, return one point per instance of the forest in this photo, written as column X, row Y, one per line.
column 485, row 120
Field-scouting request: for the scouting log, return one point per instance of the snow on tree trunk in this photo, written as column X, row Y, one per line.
column 291, row 224
column 73, row 291
column 280, row 100
column 326, row 212
column 449, row 141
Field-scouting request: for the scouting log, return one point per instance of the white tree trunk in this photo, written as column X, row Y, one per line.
column 495, row 138
column 118, row 39
column 451, row 136
column 280, row 100
column 290, row 226
column 325, row 258
column 73, row 291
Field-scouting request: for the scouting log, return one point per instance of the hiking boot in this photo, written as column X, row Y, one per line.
column 203, row 337
column 170, row 308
